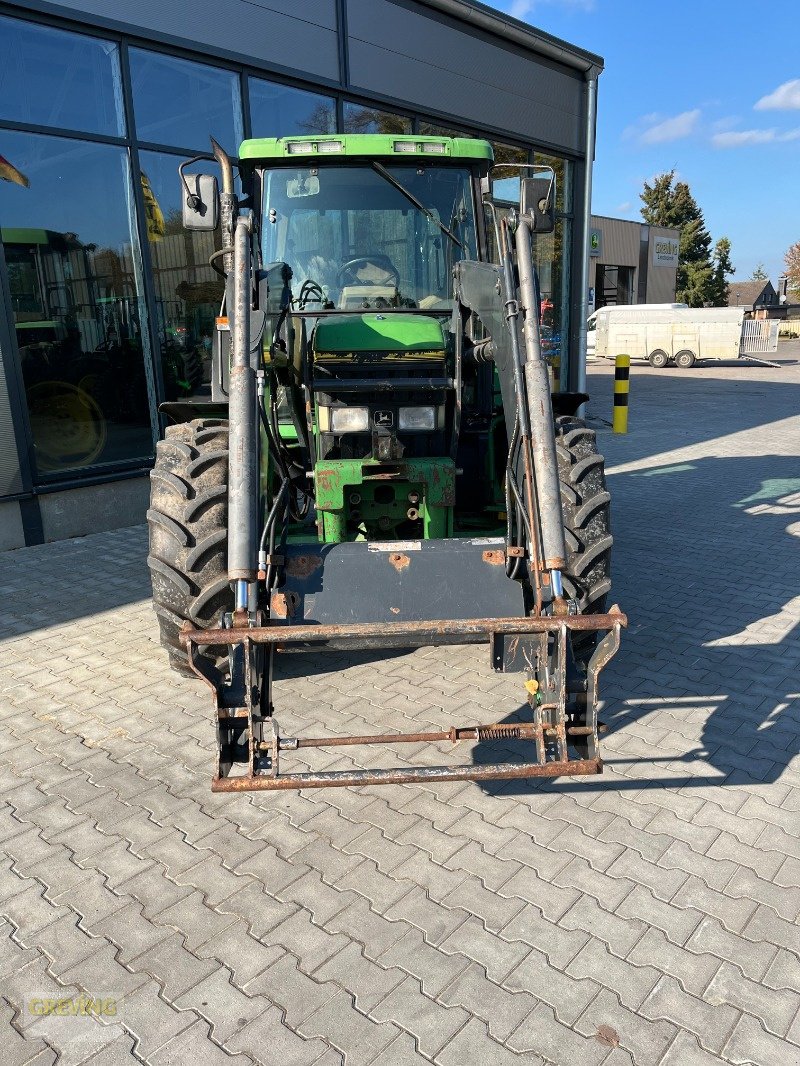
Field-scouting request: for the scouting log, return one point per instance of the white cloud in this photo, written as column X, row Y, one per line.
column 736, row 138
column 785, row 98
column 670, row 129
column 625, row 206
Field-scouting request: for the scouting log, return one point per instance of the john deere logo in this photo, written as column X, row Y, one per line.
column 384, row 419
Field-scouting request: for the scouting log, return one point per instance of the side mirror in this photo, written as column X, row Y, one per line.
column 532, row 193
column 200, row 198
column 538, row 200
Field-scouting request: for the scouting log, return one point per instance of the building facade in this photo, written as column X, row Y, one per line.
column 107, row 306
column 631, row 262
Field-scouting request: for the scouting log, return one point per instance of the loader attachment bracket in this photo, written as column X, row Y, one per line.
column 560, row 724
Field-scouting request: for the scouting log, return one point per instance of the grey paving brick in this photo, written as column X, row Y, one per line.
column 498, row 956
column 685, row 1051
column 129, row 930
column 502, row 1009
column 432, row 1023
column 775, row 1009
column 379, row 889
column 313, row 944
column 472, row 896
column 693, row 971
column 749, row 1043
column 619, row 934
column 711, row 1024
column 785, row 901
column 784, row 970
column 560, row 942
column 473, row 1044
column 634, row 869
column 430, row 966
column 676, row 922
column 176, row 969
column 606, row 1020
column 542, row 1034
column 151, row 1021
column 225, row 1007
column 152, row 889
column 552, row 901
column 632, row 983
column 568, row 996
column 435, row 921
column 368, row 982
column 195, row 1045
column 361, row 1039
column 732, row 912
column 257, row 908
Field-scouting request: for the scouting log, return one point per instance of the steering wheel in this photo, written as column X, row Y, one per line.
column 347, row 273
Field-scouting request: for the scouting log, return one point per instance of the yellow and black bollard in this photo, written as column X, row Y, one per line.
column 622, row 384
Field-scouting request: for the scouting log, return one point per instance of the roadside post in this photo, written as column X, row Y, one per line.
column 622, row 384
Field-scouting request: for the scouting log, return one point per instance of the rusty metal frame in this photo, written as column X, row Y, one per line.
column 248, row 712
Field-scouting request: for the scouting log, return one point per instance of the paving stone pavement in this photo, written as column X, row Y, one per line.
column 646, row 917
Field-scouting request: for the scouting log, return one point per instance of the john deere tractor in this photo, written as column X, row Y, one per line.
column 381, row 463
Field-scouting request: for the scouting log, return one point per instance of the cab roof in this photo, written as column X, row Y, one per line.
column 366, row 145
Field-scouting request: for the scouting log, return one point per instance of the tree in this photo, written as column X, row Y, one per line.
column 792, row 261
column 760, row 274
column 670, row 203
column 722, row 268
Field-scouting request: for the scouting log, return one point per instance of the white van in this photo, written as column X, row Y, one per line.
column 662, row 333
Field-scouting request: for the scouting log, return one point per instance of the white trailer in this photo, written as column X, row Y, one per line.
column 680, row 334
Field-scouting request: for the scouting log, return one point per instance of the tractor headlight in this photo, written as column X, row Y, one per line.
column 349, row 419
column 417, row 418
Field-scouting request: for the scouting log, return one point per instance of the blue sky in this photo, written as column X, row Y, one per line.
column 708, row 88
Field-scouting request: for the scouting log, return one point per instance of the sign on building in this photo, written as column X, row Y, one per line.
column 595, row 241
column 665, row 251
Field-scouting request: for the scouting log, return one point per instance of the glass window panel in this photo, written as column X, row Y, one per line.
column 188, row 291
column 361, row 119
column 509, row 153
column 282, row 111
column 54, row 78
column 432, row 129
column 354, row 241
column 177, row 102
column 74, row 274
column 551, row 251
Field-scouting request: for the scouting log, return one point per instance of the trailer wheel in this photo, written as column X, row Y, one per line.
column 585, row 504
column 658, row 359
column 187, row 522
column 685, row 359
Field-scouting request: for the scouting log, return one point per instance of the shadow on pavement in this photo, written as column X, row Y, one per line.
column 706, row 570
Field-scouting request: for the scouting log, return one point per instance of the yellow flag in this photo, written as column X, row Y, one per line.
column 10, row 173
column 153, row 213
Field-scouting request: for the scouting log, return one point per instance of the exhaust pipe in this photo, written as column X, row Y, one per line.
column 227, row 203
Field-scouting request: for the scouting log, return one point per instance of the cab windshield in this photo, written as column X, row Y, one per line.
column 354, row 241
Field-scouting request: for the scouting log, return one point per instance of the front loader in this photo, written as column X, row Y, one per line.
column 380, row 463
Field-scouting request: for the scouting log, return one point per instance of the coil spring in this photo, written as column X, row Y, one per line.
column 499, row 732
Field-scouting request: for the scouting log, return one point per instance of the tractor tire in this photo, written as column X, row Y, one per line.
column 586, row 508
column 658, row 359
column 685, row 360
column 188, row 525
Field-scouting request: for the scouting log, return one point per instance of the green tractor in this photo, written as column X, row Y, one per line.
column 381, row 463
